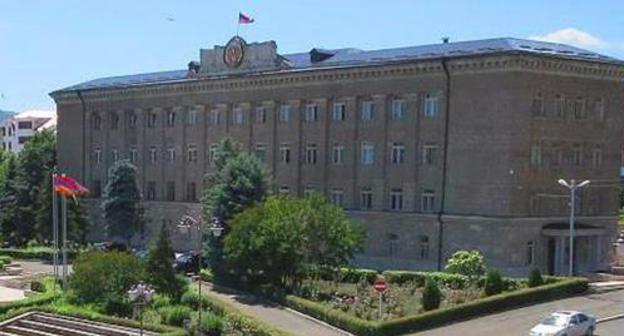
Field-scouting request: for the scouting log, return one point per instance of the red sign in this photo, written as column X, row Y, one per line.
column 380, row 285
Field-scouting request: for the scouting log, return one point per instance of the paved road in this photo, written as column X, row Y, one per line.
column 519, row 321
column 612, row 328
column 274, row 315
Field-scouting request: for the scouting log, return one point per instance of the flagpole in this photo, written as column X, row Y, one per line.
column 64, row 217
column 54, row 232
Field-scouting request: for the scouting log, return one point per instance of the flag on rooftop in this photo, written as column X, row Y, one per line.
column 244, row 18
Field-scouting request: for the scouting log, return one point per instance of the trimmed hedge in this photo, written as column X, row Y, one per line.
column 28, row 302
column 39, row 253
column 344, row 274
column 439, row 317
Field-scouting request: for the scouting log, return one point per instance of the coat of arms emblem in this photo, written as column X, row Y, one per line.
column 234, row 52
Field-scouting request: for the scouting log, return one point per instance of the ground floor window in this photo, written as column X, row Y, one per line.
column 530, row 253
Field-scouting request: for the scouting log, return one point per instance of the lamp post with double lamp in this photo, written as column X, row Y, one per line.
column 187, row 223
column 141, row 294
column 573, row 186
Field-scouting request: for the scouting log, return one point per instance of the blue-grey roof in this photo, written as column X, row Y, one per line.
column 357, row 57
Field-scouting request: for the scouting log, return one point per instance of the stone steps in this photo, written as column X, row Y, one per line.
column 45, row 324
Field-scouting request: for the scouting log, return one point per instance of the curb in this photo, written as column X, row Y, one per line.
column 317, row 321
column 610, row 318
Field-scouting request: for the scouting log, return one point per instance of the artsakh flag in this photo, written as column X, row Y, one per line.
column 244, row 19
column 68, row 186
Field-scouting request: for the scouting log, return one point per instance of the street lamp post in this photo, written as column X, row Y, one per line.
column 573, row 186
column 186, row 224
column 141, row 294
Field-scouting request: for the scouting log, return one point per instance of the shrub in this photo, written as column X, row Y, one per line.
column 5, row 260
column 431, row 296
column 117, row 306
column 468, row 263
column 206, row 275
column 191, row 298
column 535, row 278
column 210, row 325
column 493, row 283
column 37, row 286
column 99, row 276
column 175, row 315
column 159, row 301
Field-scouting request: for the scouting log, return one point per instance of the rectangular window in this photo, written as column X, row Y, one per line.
column 560, row 105
column 192, row 117
column 336, row 196
column 337, row 154
column 396, row 199
column 152, row 118
column 132, row 120
column 427, row 200
column 153, row 153
column 238, row 117
column 311, row 154
column 115, row 155
column 260, row 152
column 191, row 154
column 599, row 109
column 536, row 155
column 424, row 247
column 397, row 155
column 393, row 245
column 579, row 108
column 368, row 153
column 429, row 154
column 577, row 155
column 171, row 155
column 133, row 155
column 22, row 140
column 114, row 121
column 432, row 106
column 97, row 188
column 171, row 118
column 311, row 113
column 212, row 153
column 537, row 107
column 285, row 153
column 284, row 190
column 97, row 156
column 557, row 156
column 308, row 191
column 170, row 191
column 399, row 109
column 191, row 192
column 261, row 116
column 284, row 113
column 339, row 112
column 151, row 191
column 597, row 157
column 366, row 199
column 214, row 117
column 368, row 110
column 24, row 125
column 530, row 253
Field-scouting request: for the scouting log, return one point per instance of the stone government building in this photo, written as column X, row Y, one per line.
column 432, row 148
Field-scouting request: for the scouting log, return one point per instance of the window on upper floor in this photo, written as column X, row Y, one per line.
column 214, row 117
column 97, row 188
column 396, row 199
column 171, row 155
column 24, row 125
column 260, row 152
column 192, row 116
column 284, row 113
column 367, row 156
column 171, row 194
column 238, row 116
column 368, row 110
column 284, row 153
column 536, row 155
column 537, row 107
column 397, row 154
column 152, row 119
column 171, row 118
column 429, row 153
column 339, row 112
column 432, row 106
column 427, row 201
column 577, row 155
column 311, row 154
column 596, row 157
column 337, row 154
column 579, row 108
column 97, row 122
column 22, row 139
column 191, row 154
column 599, row 109
column 337, row 197
column 115, row 154
column 114, row 121
column 557, row 155
column 261, row 115
column 560, row 106
column 97, row 155
column 399, row 109
column 191, row 192
column 310, row 113
column 366, row 198
column 153, row 154
column 133, row 153
column 132, row 120
column 212, row 154
column 151, row 191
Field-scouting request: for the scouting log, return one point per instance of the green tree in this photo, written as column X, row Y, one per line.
column 159, row 266
column 8, row 201
column 468, row 263
column 122, row 209
column 431, row 296
column 493, row 282
column 275, row 241
column 78, row 223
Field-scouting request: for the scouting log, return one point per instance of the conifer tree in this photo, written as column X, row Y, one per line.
column 159, row 266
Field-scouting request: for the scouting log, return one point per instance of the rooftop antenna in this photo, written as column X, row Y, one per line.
column 445, row 39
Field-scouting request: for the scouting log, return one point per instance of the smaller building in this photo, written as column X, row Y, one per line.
column 16, row 130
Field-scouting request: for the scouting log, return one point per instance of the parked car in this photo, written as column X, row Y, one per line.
column 565, row 323
column 186, row 262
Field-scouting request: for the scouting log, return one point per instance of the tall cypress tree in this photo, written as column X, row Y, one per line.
column 162, row 275
column 122, row 209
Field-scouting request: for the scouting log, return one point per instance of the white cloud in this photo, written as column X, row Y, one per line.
column 572, row 36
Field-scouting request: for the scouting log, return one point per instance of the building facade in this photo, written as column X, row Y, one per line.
column 17, row 129
column 432, row 148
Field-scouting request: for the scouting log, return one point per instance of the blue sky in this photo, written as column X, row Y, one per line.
column 46, row 45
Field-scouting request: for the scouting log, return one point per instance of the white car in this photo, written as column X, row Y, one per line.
column 565, row 323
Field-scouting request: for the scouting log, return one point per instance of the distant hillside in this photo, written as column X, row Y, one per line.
column 5, row 114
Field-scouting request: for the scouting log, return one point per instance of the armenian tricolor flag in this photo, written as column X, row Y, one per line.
column 68, row 186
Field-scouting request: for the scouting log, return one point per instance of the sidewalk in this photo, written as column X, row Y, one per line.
column 272, row 314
